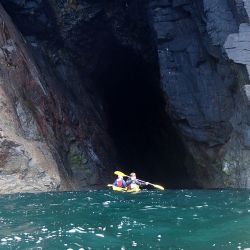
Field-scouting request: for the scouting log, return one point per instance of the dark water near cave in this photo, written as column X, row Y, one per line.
column 180, row 219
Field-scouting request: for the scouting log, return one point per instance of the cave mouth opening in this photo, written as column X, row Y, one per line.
column 145, row 140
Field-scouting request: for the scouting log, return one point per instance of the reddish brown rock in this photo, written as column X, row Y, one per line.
column 42, row 147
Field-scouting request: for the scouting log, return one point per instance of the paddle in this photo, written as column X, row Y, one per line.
column 124, row 175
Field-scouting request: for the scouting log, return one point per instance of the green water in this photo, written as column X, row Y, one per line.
column 182, row 219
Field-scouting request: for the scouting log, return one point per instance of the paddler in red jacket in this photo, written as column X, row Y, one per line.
column 119, row 182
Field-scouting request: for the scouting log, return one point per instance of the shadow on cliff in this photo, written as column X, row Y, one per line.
column 126, row 84
column 137, row 122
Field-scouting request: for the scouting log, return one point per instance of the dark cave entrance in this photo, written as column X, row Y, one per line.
column 143, row 135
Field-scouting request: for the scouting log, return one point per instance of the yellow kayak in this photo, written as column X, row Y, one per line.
column 120, row 189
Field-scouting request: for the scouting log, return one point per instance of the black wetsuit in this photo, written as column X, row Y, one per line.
column 137, row 182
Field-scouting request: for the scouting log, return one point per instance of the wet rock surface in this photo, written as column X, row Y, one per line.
column 26, row 165
column 44, row 115
column 203, row 86
column 57, row 131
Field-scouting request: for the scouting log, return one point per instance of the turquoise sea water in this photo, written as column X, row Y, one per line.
column 175, row 219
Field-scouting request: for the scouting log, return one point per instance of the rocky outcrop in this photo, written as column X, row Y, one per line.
column 56, row 93
column 49, row 136
column 57, row 99
column 204, row 87
column 26, row 160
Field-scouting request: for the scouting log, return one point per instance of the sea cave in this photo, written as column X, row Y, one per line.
column 143, row 133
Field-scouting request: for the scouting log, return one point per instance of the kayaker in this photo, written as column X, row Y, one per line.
column 133, row 183
column 119, row 182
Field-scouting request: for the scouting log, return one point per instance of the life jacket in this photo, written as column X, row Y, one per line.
column 119, row 183
column 133, row 185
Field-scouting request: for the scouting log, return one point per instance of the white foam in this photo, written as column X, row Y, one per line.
column 199, row 206
column 134, row 244
column 71, row 231
column 106, row 203
column 100, row 235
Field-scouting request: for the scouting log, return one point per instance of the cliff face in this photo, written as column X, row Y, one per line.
column 26, row 160
column 205, row 89
column 56, row 125
column 160, row 87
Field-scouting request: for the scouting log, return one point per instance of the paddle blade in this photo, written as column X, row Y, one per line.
column 119, row 173
column 110, row 185
column 158, row 186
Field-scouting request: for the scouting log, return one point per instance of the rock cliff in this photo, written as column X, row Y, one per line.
column 160, row 87
column 202, row 50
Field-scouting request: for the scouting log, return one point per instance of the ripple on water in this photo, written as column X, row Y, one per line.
column 180, row 219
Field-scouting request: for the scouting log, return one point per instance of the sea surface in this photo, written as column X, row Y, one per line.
column 103, row 219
